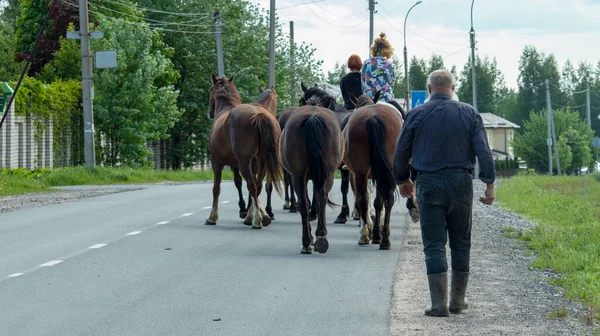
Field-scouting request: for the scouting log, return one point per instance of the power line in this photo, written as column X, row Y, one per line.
column 331, row 24
column 206, row 15
column 142, row 24
column 146, row 19
column 417, row 34
column 298, row 5
column 342, row 16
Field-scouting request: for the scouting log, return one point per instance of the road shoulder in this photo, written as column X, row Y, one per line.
column 506, row 296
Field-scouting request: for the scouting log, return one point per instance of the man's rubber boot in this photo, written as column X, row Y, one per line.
column 438, row 289
column 458, row 289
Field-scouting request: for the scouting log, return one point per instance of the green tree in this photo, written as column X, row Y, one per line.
column 10, row 12
column 66, row 63
column 573, row 141
column 245, row 49
column 436, row 62
column 417, row 74
column 335, row 76
column 490, row 84
column 32, row 15
column 9, row 69
column 134, row 102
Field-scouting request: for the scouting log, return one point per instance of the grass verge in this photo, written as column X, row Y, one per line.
column 21, row 181
column 567, row 237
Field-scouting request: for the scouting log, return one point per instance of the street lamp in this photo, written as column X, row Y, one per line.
column 406, row 58
column 472, row 34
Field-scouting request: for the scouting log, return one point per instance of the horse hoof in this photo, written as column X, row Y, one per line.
column 266, row 221
column 385, row 246
column 376, row 241
column 286, row 207
column 272, row 215
column 257, row 227
column 247, row 222
column 293, row 210
column 209, row 222
column 363, row 242
column 312, row 218
column 340, row 220
column 321, row 245
column 243, row 214
column 306, row 250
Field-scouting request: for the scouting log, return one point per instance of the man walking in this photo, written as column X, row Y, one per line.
column 442, row 137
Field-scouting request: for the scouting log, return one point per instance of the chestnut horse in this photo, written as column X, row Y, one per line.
column 244, row 136
column 268, row 100
column 312, row 148
column 370, row 140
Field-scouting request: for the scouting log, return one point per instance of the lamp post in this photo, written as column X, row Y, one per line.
column 406, row 59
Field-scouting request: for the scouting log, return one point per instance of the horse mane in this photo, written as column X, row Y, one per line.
column 228, row 91
column 264, row 96
column 316, row 96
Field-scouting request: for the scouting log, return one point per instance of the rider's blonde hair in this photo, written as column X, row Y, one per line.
column 382, row 47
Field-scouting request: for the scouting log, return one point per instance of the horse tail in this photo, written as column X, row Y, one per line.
column 314, row 129
column 269, row 134
column 381, row 169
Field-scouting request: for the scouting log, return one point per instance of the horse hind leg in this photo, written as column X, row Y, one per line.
column 253, row 190
column 377, row 223
column 343, row 216
column 362, row 200
column 266, row 217
column 286, row 184
column 321, row 244
column 214, row 213
column 293, row 202
column 237, row 180
column 371, row 191
column 303, row 207
column 385, row 242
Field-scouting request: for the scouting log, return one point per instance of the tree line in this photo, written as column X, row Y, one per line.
column 166, row 52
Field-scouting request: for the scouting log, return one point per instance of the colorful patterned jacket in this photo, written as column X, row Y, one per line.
column 378, row 75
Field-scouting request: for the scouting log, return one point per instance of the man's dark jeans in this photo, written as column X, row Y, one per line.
column 445, row 201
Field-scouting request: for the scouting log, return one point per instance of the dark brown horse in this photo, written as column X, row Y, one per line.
column 268, row 100
column 312, row 148
column 244, row 136
column 324, row 99
column 370, row 140
column 290, row 197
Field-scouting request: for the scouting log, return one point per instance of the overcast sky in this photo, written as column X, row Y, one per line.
column 570, row 29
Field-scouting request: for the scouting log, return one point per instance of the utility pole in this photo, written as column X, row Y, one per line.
column 588, row 106
column 371, row 12
column 293, row 65
column 86, row 80
column 220, row 64
column 474, row 82
column 555, row 144
column 549, row 138
column 272, row 45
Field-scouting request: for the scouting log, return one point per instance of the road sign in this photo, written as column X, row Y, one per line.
column 417, row 98
column 596, row 142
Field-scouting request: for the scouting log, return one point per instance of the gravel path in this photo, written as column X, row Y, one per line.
column 506, row 296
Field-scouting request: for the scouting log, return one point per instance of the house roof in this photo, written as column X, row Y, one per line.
column 493, row 121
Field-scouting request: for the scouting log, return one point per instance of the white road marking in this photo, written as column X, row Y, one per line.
column 133, row 233
column 14, row 275
column 207, row 207
column 225, row 202
column 51, row 263
column 97, row 246
column 162, row 223
column 187, row 214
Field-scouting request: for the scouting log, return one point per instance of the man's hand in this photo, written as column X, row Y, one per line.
column 406, row 189
column 488, row 199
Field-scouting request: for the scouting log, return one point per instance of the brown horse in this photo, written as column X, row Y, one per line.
column 268, row 100
column 290, row 197
column 244, row 136
column 370, row 141
column 312, row 148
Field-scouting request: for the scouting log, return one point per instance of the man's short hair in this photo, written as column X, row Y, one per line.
column 441, row 78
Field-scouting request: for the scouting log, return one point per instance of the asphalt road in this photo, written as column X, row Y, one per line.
column 162, row 272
